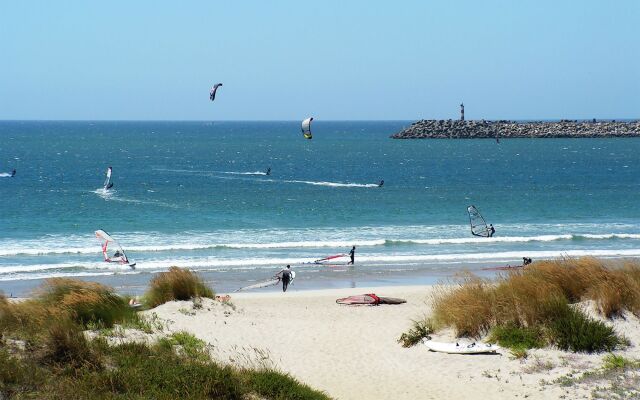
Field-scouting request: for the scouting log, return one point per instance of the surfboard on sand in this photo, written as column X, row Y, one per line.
column 457, row 348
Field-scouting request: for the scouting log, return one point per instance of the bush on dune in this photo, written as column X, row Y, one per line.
column 137, row 370
column 536, row 301
column 86, row 302
column 176, row 284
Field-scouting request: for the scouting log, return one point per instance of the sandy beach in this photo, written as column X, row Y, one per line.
column 351, row 352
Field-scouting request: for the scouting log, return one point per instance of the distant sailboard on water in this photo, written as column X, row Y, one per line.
column 107, row 181
column 478, row 224
column 336, row 259
column 112, row 251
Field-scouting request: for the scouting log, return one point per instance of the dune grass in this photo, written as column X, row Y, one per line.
column 526, row 308
column 45, row 354
column 420, row 329
column 176, row 284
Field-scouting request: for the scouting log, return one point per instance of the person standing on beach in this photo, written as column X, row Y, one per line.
column 285, row 277
column 352, row 255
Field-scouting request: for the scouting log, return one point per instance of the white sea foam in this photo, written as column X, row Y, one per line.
column 219, row 264
column 335, row 184
column 5, row 175
column 193, row 242
column 242, row 173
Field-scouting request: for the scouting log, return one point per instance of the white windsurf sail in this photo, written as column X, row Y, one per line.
column 306, row 128
column 111, row 249
column 107, row 181
column 478, row 224
column 259, row 285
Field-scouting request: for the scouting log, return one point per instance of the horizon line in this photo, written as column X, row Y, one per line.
column 316, row 119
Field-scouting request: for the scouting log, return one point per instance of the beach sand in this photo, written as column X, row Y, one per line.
column 351, row 352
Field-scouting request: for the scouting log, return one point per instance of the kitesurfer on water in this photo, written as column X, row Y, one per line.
column 285, row 277
column 381, row 183
column 352, row 255
column 268, row 171
column 492, row 230
column 13, row 173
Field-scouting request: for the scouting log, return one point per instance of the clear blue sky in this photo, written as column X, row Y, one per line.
column 151, row 59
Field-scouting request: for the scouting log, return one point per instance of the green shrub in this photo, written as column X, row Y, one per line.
column 191, row 346
column 577, row 332
column 516, row 337
column 67, row 346
column 176, row 284
column 612, row 361
column 278, row 386
column 419, row 330
column 86, row 302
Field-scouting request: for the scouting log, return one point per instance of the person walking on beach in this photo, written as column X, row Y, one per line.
column 492, row 230
column 285, row 277
column 352, row 255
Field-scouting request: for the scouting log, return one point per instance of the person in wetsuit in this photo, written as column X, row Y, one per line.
column 352, row 255
column 492, row 230
column 13, row 173
column 285, row 277
column 268, row 171
column 381, row 183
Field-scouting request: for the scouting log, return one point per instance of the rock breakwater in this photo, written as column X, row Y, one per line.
column 456, row 129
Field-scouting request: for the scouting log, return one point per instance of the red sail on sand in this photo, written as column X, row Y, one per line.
column 369, row 299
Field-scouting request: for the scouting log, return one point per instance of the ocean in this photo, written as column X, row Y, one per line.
column 195, row 194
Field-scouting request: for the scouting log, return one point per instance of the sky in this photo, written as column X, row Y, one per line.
column 334, row 60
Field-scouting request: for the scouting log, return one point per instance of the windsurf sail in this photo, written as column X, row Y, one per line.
column 331, row 259
column 306, row 128
column 369, row 299
column 478, row 224
column 259, row 285
column 212, row 92
column 107, row 181
column 111, row 249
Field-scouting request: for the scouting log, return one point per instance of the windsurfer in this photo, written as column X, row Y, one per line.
column 492, row 230
column 285, row 277
column 352, row 255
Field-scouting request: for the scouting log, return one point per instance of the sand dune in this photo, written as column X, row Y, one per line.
column 351, row 352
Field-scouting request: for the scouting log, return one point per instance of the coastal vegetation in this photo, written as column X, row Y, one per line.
column 537, row 306
column 176, row 284
column 47, row 353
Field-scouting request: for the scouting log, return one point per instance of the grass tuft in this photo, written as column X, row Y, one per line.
column 575, row 331
column 517, row 337
column 191, row 346
column 419, row 330
column 274, row 385
column 526, row 308
column 176, row 284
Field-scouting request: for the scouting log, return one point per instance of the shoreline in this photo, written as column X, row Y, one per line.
column 343, row 277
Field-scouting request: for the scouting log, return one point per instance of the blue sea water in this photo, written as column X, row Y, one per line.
column 194, row 194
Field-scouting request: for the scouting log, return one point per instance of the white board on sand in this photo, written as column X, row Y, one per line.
column 456, row 348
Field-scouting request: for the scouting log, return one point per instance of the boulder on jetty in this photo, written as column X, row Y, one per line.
column 456, row 129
